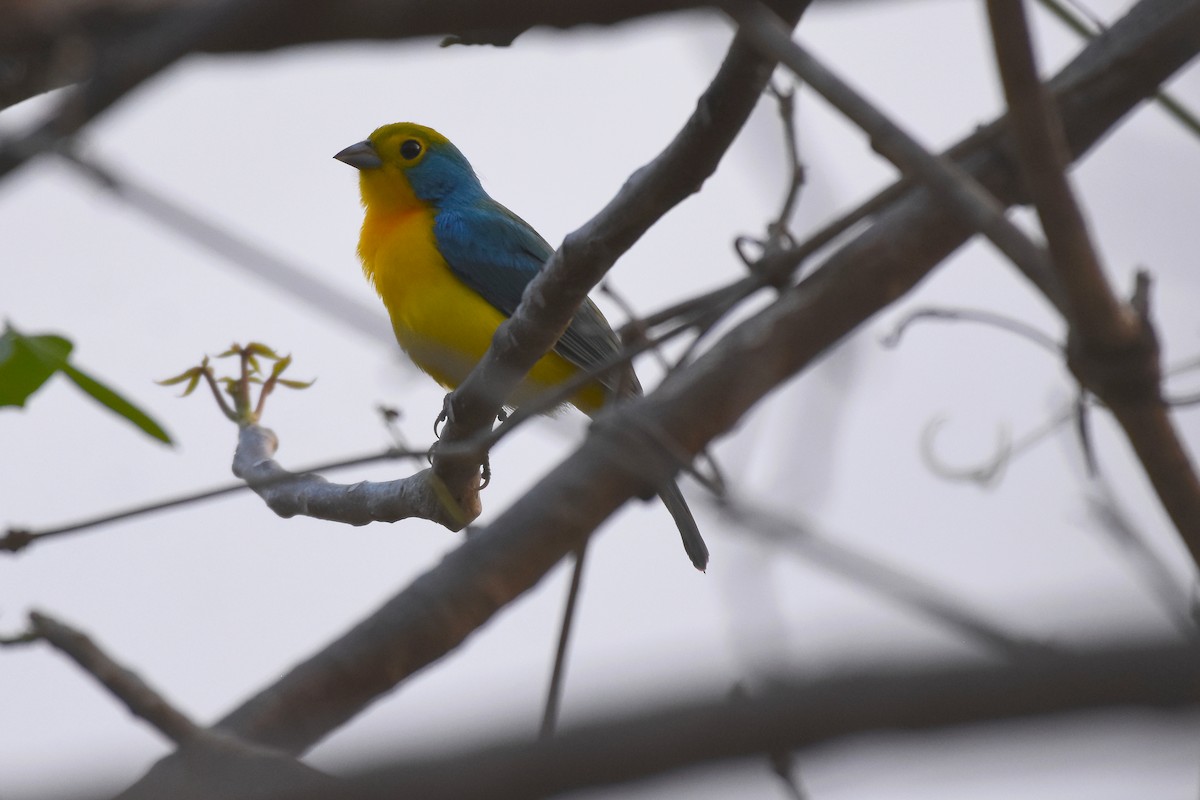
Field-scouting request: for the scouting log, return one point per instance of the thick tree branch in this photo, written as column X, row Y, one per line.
column 41, row 42
column 790, row 716
column 1112, row 346
column 114, row 72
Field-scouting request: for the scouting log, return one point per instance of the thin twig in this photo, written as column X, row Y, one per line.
column 780, row 228
column 141, row 700
column 1090, row 304
column 1155, row 572
column 980, row 316
column 635, row 329
column 961, row 193
column 17, row 538
column 908, row 592
column 1112, row 347
column 559, row 673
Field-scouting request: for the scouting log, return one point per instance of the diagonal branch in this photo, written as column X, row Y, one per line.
column 1112, row 346
column 1089, row 304
column 214, row 762
column 118, row 71
column 140, row 698
column 962, row 194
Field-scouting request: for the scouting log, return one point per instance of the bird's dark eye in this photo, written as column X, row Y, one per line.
column 410, row 149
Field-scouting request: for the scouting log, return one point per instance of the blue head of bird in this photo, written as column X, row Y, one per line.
column 405, row 165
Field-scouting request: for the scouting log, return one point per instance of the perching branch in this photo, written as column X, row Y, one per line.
column 551, row 299
column 287, row 494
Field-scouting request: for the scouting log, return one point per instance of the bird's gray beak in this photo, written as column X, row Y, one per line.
column 361, row 156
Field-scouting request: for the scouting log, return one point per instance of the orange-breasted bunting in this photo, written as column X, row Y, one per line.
column 450, row 264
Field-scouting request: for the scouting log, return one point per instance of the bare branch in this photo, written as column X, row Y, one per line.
column 1087, row 25
column 1112, row 346
column 559, row 673
column 287, row 494
column 792, row 715
column 211, row 764
column 873, row 575
column 117, row 71
column 1088, row 302
column 980, row 316
column 960, row 192
column 141, row 700
column 16, row 539
column 44, row 44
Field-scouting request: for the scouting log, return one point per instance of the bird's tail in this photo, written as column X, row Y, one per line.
column 693, row 543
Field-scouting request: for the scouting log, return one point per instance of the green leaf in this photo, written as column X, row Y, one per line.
column 192, row 376
column 260, row 349
column 27, row 362
column 115, row 403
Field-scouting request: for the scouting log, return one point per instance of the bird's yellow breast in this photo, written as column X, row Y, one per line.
column 443, row 325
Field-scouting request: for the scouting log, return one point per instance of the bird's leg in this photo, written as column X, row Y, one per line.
column 486, row 476
column 445, row 415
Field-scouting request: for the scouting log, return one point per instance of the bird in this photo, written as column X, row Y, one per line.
column 450, row 264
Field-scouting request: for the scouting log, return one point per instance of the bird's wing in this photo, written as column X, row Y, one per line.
column 497, row 254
